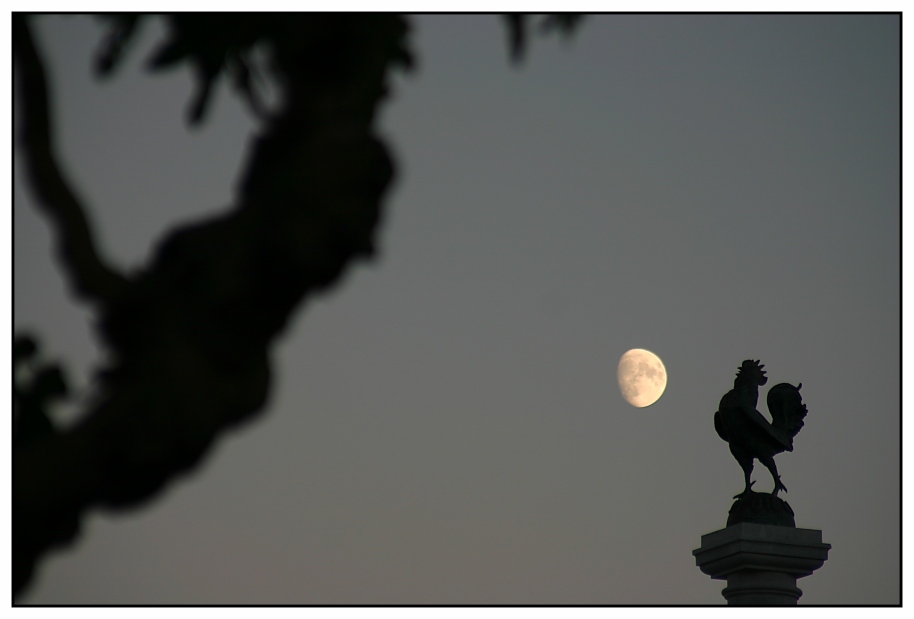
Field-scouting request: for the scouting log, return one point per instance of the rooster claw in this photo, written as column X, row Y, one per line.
column 746, row 492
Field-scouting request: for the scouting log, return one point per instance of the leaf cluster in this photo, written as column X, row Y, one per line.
column 519, row 24
column 37, row 386
column 215, row 45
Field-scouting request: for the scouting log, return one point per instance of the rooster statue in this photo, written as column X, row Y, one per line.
column 747, row 431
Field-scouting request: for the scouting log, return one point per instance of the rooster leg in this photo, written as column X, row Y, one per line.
column 747, row 472
column 768, row 461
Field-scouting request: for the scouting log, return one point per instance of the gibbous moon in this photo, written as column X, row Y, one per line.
column 642, row 377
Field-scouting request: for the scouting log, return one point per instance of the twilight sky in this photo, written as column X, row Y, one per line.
column 446, row 426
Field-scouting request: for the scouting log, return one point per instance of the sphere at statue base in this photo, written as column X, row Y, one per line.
column 761, row 508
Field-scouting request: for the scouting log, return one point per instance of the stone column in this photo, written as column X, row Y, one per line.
column 761, row 562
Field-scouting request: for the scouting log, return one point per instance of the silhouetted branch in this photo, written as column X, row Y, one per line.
column 190, row 336
column 90, row 277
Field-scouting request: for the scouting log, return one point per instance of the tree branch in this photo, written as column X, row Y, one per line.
column 190, row 336
column 90, row 277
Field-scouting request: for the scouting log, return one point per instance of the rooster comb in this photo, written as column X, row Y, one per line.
column 751, row 367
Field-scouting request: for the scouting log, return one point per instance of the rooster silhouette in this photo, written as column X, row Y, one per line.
column 747, row 431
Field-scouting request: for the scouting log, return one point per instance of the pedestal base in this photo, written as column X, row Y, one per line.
column 761, row 563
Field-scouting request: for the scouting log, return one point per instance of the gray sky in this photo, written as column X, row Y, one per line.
column 446, row 425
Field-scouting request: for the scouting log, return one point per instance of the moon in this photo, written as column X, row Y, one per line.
column 642, row 377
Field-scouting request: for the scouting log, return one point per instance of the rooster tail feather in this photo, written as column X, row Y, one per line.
column 787, row 411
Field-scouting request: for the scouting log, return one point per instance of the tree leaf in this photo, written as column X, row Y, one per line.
column 517, row 34
column 123, row 26
column 24, row 348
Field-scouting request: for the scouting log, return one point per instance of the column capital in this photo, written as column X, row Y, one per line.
column 761, row 563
